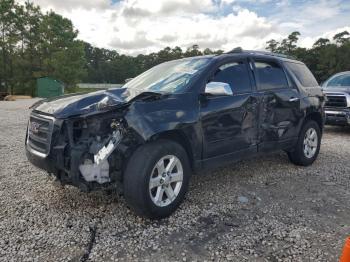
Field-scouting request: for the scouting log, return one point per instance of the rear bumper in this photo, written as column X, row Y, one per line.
column 339, row 117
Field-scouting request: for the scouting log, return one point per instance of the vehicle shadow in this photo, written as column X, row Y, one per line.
column 338, row 130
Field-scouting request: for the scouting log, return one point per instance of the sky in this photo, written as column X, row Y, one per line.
column 144, row 26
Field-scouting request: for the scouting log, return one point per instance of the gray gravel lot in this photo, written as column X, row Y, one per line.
column 264, row 209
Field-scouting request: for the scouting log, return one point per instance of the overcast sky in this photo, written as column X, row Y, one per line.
column 144, row 26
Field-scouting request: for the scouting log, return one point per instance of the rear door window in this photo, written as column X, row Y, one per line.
column 302, row 73
column 236, row 75
column 270, row 75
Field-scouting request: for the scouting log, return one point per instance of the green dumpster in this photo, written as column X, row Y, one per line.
column 49, row 87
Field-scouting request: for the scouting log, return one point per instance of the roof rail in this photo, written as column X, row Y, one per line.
column 235, row 50
column 238, row 50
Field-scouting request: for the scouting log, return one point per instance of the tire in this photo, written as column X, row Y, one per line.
column 299, row 155
column 145, row 164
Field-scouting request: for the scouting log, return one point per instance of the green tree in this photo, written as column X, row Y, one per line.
column 177, row 52
column 67, row 64
column 62, row 55
column 272, row 45
column 342, row 38
column 324, row 58
column 208, row 51
column 8, row 40
column 29, row 19
column 321, row 42
column 34, row 45
column 289, row 44
column 193, row 51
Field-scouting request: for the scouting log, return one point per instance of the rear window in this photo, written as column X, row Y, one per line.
column 303, row 74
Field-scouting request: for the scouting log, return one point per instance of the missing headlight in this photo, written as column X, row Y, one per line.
column 98, row 169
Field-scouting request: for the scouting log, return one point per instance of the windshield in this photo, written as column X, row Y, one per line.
column 339, row 80
column 169, row 77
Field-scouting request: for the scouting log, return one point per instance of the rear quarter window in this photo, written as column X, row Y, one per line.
column 302, row 73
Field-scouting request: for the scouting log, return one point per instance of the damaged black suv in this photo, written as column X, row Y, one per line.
column 175, row 119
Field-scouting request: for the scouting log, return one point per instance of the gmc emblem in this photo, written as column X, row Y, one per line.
column 34, row 127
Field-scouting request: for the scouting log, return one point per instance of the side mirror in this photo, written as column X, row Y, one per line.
column 218, row 89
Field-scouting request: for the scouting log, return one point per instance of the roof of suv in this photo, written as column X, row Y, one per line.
column 240, row 51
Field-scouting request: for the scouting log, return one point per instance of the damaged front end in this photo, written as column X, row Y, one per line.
column 88, row 151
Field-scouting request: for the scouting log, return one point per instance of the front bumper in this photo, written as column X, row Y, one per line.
column 43, row 163
column 339, row 117
column 51, row 147
column 66, row 177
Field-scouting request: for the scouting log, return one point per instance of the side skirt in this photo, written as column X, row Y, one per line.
column 215, row 162
column 263, row 148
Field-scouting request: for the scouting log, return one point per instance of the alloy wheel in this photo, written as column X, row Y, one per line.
column 166, row 180
column 310, row 143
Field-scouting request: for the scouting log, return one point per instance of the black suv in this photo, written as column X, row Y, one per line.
column 175, row 119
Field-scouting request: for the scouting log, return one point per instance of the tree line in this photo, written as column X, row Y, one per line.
column 34, row 44
column 108, row 66
column 325, row 58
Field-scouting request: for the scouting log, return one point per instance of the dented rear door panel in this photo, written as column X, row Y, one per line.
column 280, row 116
column 280, row 113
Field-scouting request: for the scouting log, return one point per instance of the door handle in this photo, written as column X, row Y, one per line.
column 293, row 99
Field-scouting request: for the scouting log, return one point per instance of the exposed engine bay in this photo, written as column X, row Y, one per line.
column 87, row 151
column 86, row 140
column 98, row 168
column 100, row 146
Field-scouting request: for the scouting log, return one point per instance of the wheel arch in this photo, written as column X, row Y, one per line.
column 179, row 137
column 317, row 117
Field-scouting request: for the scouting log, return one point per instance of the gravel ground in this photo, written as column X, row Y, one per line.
column 264, row 209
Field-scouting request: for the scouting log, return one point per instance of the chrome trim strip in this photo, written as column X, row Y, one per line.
column 335, row 112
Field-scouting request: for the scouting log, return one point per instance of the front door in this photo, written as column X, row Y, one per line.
column 229, row 123
column 279, row 106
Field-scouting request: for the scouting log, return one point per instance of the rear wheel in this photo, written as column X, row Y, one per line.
column 308, row 145
column 156, row 179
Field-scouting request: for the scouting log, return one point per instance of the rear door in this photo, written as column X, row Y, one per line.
column 229, row 123
column 279, row 105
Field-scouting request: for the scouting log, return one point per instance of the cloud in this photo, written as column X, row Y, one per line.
column 139, row 41
column 312, row 18
column 144, row 26
column 146, row 7
column 309, row 41
column 66, row 5
column 185, row 30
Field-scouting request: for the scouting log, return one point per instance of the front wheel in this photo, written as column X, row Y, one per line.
column 308, row 145
column 156, row 179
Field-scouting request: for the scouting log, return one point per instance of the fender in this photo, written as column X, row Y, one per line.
column 150, row 119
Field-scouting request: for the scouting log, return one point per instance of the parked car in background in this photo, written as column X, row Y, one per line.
column 337, row 90
column 175, row 119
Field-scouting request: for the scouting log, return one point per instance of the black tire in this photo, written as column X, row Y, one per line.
column 138, row 174
column 297, row 155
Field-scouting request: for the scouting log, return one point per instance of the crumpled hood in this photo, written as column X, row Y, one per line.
column 77, row 104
